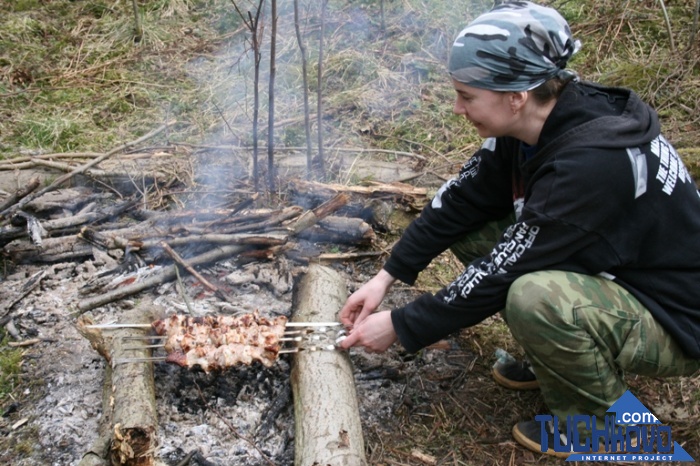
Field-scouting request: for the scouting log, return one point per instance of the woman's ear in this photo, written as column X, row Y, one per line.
column 517, row 101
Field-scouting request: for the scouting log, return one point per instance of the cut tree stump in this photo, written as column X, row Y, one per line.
column 328, row 428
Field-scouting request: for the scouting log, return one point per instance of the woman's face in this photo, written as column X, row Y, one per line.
column 489, row 111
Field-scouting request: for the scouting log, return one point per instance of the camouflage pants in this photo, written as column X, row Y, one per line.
column 582, row 334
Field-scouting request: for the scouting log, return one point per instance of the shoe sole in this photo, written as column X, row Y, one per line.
column 536, row 447
column 514, row 384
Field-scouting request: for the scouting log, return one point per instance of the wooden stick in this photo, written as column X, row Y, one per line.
column 177, row 258
column 31, row 283
column 165, row 275
column 311, row 217
column 20, row 193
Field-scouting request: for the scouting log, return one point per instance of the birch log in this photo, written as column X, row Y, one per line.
column 133, row 390
column 327, row 419
column 131, row 414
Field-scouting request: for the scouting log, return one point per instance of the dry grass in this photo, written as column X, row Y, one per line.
column 73, row 79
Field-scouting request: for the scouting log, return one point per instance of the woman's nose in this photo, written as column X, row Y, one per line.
column 458, row 108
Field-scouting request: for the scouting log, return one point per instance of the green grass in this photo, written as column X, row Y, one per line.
column 10, row 366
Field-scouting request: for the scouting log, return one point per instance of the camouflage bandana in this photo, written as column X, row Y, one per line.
column 514, row 47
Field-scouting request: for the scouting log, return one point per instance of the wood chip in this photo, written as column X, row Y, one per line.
column 427, row 459
column 33, row 341
column 20, row 423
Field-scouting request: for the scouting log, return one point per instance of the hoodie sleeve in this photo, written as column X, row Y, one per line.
column 481, row 193
column 559, row 229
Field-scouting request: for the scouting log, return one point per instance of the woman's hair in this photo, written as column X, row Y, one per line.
column 551, row 89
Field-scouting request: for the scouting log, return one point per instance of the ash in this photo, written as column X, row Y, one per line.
column 243, row 415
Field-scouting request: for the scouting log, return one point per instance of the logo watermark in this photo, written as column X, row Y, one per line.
column 630, row 433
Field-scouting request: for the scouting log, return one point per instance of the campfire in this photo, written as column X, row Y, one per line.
column 163, row 281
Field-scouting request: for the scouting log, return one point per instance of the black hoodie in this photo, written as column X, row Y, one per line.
column 605, row 194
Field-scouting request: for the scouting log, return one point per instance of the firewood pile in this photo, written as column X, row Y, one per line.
column 75, row 224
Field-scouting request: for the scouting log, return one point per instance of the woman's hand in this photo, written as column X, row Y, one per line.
column 365, row 300
column 375, row 333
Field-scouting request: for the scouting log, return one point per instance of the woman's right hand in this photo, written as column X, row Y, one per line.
column 366, row 299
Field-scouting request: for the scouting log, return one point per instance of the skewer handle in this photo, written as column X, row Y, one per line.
column 119, row 326
column 312, row 324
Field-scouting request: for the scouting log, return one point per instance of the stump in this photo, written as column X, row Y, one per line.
column 328, row 429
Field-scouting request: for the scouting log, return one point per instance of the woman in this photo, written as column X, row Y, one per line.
column 594, row 224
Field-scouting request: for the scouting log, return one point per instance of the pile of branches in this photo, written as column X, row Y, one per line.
column 56, row 224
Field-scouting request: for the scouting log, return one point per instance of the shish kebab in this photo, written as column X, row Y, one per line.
column 218, row 342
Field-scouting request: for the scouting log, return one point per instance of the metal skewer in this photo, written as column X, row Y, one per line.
column 128, row 360
column 303, row 336
column 288, row 324
column 110, row 326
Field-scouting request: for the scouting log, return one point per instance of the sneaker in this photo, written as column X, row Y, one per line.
column 528, row 434
column 516, row 375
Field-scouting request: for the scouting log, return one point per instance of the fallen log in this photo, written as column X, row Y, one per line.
column 129, row 416
column 97, row 454
column 134, row 416
column 60, row 249
column 328, row 428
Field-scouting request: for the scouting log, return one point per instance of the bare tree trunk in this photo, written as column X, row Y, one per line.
column 381, row 12
column 694, row 30
column 257, row 36
column 138, row 28
column 668, row 26
column 252, row 22
column 271, row 100
column 319, row 101
column 307, row 124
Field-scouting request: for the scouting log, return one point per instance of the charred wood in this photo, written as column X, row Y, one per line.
column 165, row 274
column 27, row 287
column 65, row 200
column 311, row 217
column 20, row 193
column 340, row 230
column 51, row 250
column 176, row 257
column 24, row 224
